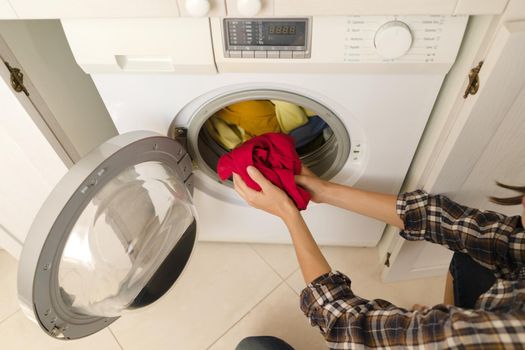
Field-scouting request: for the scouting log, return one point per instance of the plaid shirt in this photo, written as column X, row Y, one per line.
column 498, row 319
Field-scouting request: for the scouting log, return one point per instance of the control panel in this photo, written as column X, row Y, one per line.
column 400, row 39
column 267, row 37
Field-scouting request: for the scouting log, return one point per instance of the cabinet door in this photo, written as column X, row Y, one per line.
column 484, row 145
column 28, row 9
column 30, row 167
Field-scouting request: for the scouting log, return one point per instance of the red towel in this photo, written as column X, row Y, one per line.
column 274, row 155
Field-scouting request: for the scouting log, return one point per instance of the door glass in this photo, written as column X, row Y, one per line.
column 122, row 237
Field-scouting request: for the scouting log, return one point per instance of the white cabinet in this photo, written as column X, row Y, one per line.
column 95, row 8
column 483, row 144
column 30, row 169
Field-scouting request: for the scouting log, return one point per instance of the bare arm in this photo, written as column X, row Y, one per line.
column 274, row 201
column 372, row 204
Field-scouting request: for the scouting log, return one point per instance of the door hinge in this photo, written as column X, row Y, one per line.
column 387, row 261
column 17, row 79
column 473, row 81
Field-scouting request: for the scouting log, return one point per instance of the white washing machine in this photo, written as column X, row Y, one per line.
column 129, row 212
column 373, row 79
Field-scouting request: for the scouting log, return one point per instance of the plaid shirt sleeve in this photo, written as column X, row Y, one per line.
column 492, row 239
column 350, row 322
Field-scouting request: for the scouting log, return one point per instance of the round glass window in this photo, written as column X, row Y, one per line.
column 124, row 234
column 225, row 122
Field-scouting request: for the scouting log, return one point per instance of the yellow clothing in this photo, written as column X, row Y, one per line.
column 309, row 113
column 228, row 135
column 290, row 116
column 255, row 117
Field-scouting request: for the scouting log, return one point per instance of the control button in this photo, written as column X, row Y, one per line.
column 298, row 54
column 393, row 39
column 260, row 54
column 272, row 54
column 285, row 54
column 247, row 54
column 235, row 54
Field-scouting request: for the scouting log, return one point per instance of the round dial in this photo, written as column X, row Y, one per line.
column 393, row 39
column 249, row 8
column 197, row 8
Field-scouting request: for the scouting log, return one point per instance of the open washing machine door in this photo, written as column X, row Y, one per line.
column 113, row 235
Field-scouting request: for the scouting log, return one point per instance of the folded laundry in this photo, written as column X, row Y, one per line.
column 290, row 116
column 256, row 117
column 308, row 132
column 274, row 155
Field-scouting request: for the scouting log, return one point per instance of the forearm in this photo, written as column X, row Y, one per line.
column 311, row 260
column 372, row 204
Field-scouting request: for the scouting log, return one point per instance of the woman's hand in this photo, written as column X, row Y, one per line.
column 313, row 184
column 271, row 199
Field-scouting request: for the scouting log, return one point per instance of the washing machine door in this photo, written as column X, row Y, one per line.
column 114, row 235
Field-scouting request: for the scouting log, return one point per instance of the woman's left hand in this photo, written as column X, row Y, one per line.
column 271, row 199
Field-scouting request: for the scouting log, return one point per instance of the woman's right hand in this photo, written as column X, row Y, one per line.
column 312, row 183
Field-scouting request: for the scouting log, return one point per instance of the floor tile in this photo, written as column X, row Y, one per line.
column 281, row 257
column 277, row 315
column 363, row 267
column 18, row 332
column 222, row 283
column 8, row 295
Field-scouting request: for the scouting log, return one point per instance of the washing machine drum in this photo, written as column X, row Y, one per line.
column 114, row 235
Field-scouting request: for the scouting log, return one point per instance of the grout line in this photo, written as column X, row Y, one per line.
column 266, row 262
column 114, row 337
column 10, row 315
column 246, row 314
column 291, row 273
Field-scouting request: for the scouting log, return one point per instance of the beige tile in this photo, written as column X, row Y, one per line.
column 222, row 283
column 8, row 296
column 281, row 257
column 18, row 332
column 363, row 267
column 278, row 315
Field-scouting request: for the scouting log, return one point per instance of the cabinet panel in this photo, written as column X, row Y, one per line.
column 363, row 7
column 31, row 168
column 6, row 11
column 95, row 8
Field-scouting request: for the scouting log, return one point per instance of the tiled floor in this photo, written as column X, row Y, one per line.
column 228, row 292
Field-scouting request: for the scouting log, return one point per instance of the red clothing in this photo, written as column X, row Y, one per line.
column 274, row 155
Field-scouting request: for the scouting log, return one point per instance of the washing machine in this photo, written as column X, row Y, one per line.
column 372, row 79
column 119, row 228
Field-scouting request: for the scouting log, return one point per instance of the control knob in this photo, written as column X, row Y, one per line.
column 197, row 8
column 393, row 39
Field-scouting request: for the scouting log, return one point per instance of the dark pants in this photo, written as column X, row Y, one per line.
column 470, row 280
column 263, row 343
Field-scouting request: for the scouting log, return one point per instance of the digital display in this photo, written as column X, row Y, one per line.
column 255, row 33
column 281, row 29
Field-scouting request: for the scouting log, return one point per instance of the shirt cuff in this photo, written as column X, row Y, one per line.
column 320, row 296
column 412, row 209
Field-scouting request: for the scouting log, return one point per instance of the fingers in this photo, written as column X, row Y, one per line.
column 301, row 179
column 259, row 178
column 244, row 191
column 305, row 171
